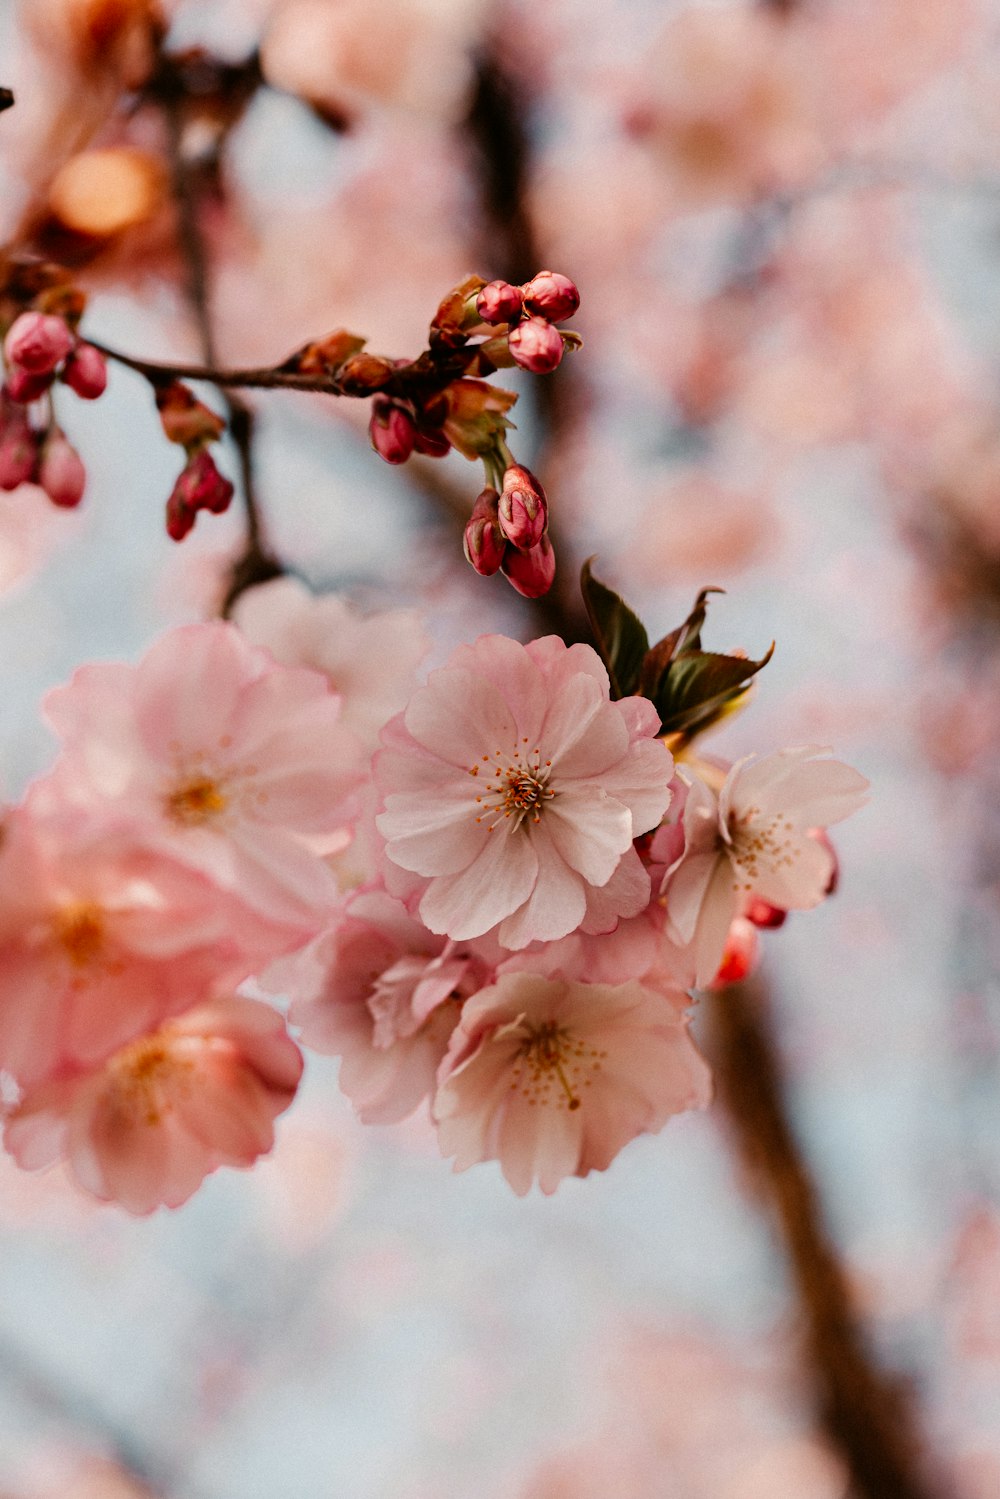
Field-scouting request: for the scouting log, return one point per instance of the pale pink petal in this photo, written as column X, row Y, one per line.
column 590, row 830
column 461, row 717
column 496, row 883
column 557, row 903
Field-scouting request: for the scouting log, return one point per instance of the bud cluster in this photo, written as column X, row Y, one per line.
column 530, row 313
column 508, row 532
column 38, row 349
column 192, row 425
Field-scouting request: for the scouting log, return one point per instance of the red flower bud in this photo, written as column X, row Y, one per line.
column 432, row 444
column 18, row 446
column 392, row 431
column 535, row 345
column 180, row 517
column 86, row 372
column 24, row 387
column 37, row 342
column 524, row 514
column 202, row 487
column 483, row 541
column 531, row 573
column 551, row 296
column 762, row 913
column 61, row 472
column 498, row 302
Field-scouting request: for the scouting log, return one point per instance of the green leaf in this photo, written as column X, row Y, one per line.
column 686, row 637
column 698, row 687
column 620, row 634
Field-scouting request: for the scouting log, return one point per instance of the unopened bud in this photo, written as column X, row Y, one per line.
column 432, row 444
column 524, row 513
column 483, row 541
column 531, row 573
column 498, row 302
column 86, row 372
column 36, row 343
column 61, row 472
column 536, row 346
column 762, row 913
column 392, row 431
column 551, row 296
column 24, row 387
column 740, row 956
column 363, row 374
column 325, row 355
column 201, row 485
column 18, row 446
column 180, row 517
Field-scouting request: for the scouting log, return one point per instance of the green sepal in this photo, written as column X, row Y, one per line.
column 622, row 642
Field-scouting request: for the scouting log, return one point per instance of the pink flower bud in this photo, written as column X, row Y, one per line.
column 86, row 372
column 432, row 444
column 483, row 541
column 37, row 342
column 180, row 517
column 202, row 487
column 24, row 387
column 392, row 431
column 498, row 302
column 762, row 913
column 535, row 345
column 18, row 446
column 61, row 472
column 523, row 511
column 551, row 296
column 531, row 573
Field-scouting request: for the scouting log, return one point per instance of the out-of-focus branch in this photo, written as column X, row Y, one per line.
column 6, row 99
column 864, row 1413
column 256, row 563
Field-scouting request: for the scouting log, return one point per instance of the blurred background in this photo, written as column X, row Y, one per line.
column 784, row 220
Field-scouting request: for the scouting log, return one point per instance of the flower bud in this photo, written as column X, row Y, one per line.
column 392, row 431
column 551, row 296
column 432, row 444
column 762, row 913
column 523, row 511
column 61, row 472
column 535, row 345
column 531, row 573
column 740, row 956
column 86, row 372
column 24, row 387
column 202, row 487
column 18, row 446
column 36, row 343
column 363, row 374
column 180, row 517
column 483, row 541
column 498, row 302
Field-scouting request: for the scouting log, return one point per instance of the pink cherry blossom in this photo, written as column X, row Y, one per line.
column 371, row 662
column 381, row 992
column 513, row 790
column 234, row 763
column 102, row 938
column 147, row 1127
column 553, row 1078
column 753, row 839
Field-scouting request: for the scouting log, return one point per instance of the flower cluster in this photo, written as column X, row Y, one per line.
column 494, row 893
column 39, row 348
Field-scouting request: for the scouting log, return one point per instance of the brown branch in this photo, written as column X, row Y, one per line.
column 863, row 1412
column 6, row 99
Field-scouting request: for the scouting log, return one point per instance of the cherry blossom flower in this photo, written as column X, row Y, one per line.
column 370, row 662
column 147, row 1127
column 383, row 993
column 513, row 790
column 102, row 938
column 553, row 1078
column 233, row 762
column 754, row 839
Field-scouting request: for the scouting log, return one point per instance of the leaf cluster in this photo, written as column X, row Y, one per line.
column 690, row 688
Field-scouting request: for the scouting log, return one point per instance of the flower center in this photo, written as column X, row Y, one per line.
column 552, row 1066
column 79, row 930
column 760, row 846
column 139, row 1069
column 196, row 801
column 516, row 785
